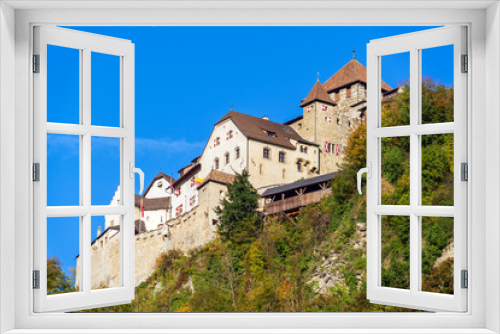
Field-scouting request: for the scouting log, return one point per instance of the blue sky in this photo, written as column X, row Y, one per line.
column 186, row 79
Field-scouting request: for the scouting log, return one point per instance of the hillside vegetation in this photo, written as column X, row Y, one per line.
column 266, row 265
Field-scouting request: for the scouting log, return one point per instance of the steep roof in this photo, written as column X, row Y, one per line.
column 352, row 72
column 318, row 93
column 259, row 129
column 187, row 174
column 159, row 176
column 219, row 177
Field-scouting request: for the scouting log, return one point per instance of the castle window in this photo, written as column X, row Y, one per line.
column 193, row 181
column 265, row 153
column 271, row 134
column 216, row 163
column 261, row 170
column 159, row 184
column 282, row 157
column 230, row 134
column 305, row 149
column 300, row 126
column 227, row 157
column 237, row 151
column 299, row 165
column 217, row 141
column 283, row 173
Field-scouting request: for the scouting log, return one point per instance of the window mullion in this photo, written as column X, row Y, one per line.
column 85, row 161
column 414, row 169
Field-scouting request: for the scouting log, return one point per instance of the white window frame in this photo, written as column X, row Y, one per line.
column 16, row 125
column 85, row 43
column 413, row 43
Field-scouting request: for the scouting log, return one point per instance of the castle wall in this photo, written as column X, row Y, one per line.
column 265, row 173
column 195, row 228
column 227, row 145
column 105, row 258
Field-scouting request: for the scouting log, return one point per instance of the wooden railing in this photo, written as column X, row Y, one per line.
column 295, row 202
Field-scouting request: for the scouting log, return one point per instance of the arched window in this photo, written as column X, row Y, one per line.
column 299, row 165
column 216, row 163
column 282, row 157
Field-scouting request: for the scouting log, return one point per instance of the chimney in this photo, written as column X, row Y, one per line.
column 266, row 118
column 98, row 231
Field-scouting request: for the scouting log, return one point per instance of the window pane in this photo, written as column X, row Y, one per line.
column 63, row 247
column 437, row 169
column 437, row 254
column 395, row 100
column 396, row 252
column 105, row 171
column 437, row 84
column 105, row 254
column 63, row 85
column 105, row 90
column 63, row 170
column 395, row 172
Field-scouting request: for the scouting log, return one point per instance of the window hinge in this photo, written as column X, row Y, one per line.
column 36, row 63
column 464, row 171
column 465, row 279
column 465, row 64
column 36, row 172
column 36, row 279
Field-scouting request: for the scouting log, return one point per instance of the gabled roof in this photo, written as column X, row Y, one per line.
column 352, row 72
column 298, row 118
column 318, row 93
column 259, row 129
column 218, row 177
column 187, row 174
column 159, row 176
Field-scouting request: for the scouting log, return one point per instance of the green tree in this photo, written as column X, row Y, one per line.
column 237, row 210
column 57, row 280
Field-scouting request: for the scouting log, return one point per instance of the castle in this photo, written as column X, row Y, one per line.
column 179, row 214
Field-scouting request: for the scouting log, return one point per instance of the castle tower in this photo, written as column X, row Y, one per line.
column 332, row 110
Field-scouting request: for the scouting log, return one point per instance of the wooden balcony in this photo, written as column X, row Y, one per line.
column 295, row 202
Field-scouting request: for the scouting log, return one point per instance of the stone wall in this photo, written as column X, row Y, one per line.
column 197, row 227
column 105, row 258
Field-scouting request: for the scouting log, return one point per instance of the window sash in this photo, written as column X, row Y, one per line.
column 86, row 43
column 414, row 298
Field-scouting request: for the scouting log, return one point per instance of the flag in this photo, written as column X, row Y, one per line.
column 323, row 107
column 198, row 181
column 142, row 208
column 326, row 146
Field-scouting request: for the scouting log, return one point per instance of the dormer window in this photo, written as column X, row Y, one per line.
column 270, row 134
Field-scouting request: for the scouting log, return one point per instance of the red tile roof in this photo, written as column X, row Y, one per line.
column 259, row 129
column 317, row 93
column 352, row 72
column 218, row 177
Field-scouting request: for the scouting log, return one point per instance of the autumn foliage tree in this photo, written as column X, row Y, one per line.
column 57, row 280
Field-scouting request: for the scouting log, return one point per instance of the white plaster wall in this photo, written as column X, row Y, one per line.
column 154, row 218
column 212, row 152
column 187, row 191
column 157, row 191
